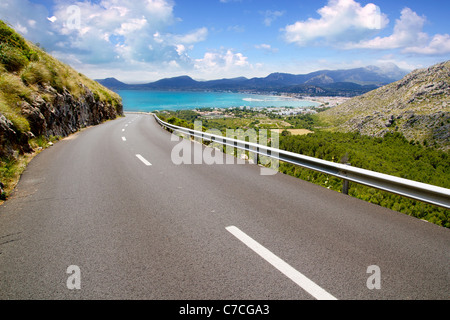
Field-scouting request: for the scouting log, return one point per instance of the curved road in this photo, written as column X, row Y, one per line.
column 110, row 201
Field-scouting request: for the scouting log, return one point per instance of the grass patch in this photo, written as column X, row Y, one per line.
column 13, row 90
column 43, row 142
column 11, row 38
column 36, row 73
column 11, row 169
column 12, row 59
column 13, row 114
column 294, row 132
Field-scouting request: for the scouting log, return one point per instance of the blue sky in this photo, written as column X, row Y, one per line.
column 141, row 41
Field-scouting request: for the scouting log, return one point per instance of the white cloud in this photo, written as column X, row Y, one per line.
column 236, row 28
column 225, row 63
column 408, row 36
column 440, row 44
column 266, row 47
column 181, row 49
column 347, row 24
column 195, row 36
column 340, row 21
column 32, row 23
column 114, row 33
column 271, row 16
column 407, row 31
column 222, row 60
column 113, row 27
column 103, row 32
column 131, row 26
column 21, row 29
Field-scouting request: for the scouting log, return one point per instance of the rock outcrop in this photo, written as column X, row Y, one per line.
column 11, row 140
column 63, row 115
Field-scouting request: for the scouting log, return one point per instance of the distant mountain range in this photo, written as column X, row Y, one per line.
column 350, row 82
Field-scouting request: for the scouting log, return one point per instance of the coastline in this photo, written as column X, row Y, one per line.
column 147, row 101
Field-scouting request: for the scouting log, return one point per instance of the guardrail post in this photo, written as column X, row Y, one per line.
column 345, row 187
column 345, row 183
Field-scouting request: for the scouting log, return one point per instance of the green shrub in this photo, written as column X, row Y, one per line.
column 39, row 141
column 11, row 169
column 36, row 73
column 13, row 90
column 14, row 115
column 12, row 58
column 12, row 39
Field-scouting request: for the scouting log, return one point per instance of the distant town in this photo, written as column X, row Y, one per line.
column 325, row 103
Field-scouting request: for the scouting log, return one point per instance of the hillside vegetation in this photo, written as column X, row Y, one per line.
column 418, row 106
column 42, row 100
column 392, row 154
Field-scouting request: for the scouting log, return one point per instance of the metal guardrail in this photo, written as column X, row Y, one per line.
column 408, row 188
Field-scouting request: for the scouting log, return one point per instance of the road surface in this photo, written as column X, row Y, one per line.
column 106, row 214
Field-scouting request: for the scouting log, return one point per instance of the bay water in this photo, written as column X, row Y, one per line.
column 148, row 101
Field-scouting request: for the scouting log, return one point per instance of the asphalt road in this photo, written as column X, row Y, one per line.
column 110, row 201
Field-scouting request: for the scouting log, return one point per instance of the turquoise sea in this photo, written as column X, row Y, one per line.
column 146, row 101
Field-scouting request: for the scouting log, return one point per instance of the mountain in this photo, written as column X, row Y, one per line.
column 113, row 84
column 418, row 106
column 183, row 82
column 388, row 69
column 349, row 82
column 370, row 75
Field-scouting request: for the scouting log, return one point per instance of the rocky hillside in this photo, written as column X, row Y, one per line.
column 417, row 106
column 42, row 98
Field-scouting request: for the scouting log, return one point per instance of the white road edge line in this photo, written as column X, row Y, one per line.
column 305, row 283
column 124, row 139
column 143, row 160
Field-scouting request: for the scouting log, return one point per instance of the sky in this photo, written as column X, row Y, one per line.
column 139, row 41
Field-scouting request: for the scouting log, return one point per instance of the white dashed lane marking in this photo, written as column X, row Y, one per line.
column 143, row 160
column 302, row 281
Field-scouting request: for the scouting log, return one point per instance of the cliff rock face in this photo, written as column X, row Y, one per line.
column 66, row 114
column 62, row 116
column 417, row 106
column 11, row 141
